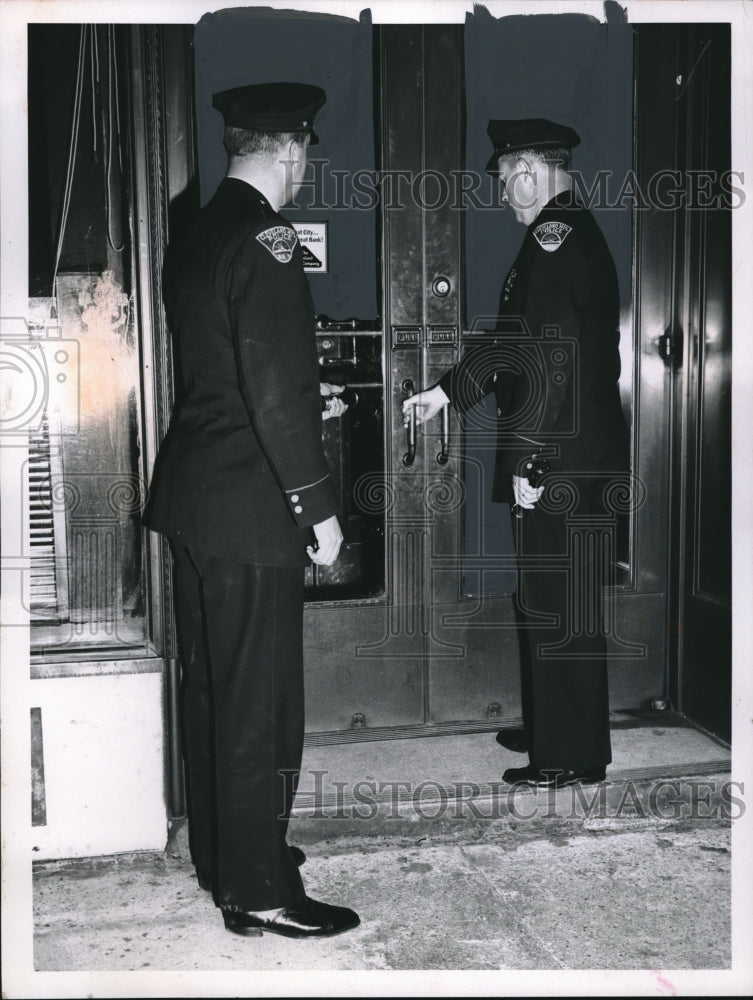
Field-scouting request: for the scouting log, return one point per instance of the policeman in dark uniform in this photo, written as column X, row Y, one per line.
column 240, row 483
column 553, row 364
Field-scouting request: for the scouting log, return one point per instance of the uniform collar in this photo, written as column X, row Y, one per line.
column 565, row 201
column 244, row 190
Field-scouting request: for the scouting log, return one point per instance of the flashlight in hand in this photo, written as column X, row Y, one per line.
column 536, row 469
column 347, row 395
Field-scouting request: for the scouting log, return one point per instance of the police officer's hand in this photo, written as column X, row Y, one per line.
column 427, row 403
column 335, row 406
column 329, row 538
column 526, row 495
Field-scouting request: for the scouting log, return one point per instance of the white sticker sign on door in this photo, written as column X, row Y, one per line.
column 313, row 239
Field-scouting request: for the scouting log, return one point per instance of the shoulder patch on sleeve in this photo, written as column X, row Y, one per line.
column 551, row 235
column 280, row 241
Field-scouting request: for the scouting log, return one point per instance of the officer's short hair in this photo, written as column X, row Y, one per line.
column 556, row 156
column 251, row 142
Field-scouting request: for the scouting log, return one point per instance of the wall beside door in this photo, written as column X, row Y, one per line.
column 98, row 765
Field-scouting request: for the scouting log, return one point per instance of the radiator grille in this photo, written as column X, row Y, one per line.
column 46, row 594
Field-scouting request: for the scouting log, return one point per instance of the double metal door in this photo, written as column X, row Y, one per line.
column 404, row 657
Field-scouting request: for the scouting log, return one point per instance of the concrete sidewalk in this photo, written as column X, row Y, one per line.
column 630, row 875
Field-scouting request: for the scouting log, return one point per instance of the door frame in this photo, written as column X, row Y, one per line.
column 675, row 130
column 165, row 184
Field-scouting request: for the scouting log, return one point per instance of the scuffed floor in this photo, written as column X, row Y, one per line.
column 629, row 898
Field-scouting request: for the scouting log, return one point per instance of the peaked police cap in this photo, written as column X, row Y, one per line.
column 274, row 107
column 511, row 136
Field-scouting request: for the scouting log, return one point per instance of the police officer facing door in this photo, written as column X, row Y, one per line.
column 553, row 365
column 240, row 483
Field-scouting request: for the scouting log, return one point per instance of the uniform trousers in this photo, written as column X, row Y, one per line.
column 240, row 634
column 562, row 566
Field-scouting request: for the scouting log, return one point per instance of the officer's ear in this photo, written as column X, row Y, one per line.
column 523, row 167
column 297, row 148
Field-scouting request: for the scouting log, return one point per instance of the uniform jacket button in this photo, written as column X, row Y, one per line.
column 294, row 499
column 298, row 509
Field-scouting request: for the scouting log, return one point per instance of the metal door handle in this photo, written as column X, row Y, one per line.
column 444, row 416
column 410, row 456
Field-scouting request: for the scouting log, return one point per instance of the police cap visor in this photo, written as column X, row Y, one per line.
column 511, row 136
column 273, row 107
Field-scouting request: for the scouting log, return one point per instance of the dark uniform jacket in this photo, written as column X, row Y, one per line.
column 553, row 361
column 241, row 473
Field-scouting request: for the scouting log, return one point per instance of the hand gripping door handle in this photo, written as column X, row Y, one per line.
column 410, row 456
column 444, row 416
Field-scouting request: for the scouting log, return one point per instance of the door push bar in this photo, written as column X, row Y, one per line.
column 410, row 456
column 444, row 415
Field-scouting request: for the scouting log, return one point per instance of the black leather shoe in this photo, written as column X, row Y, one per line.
column 206, row 880
column 310, row 919
column 552, row 778
column 513, row 739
